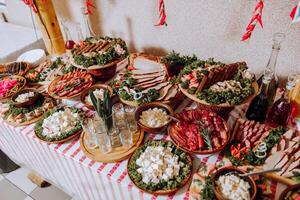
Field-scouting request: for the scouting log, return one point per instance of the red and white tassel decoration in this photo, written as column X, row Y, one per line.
column 162, row 14
column 32, row 5
column 256, row 18
column 88, row 6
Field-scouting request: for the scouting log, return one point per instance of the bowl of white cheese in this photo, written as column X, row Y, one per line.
column 231, row 186
column 26, row 97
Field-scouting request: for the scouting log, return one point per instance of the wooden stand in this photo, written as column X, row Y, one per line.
column 47, row 20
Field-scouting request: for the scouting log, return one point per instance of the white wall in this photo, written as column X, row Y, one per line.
column 207, row 28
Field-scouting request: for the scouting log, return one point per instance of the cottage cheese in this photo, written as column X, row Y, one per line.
column 99, row 94
column 233, row 187
column 120, row 51
column 24, row 97
column 60, row 122
column 158, row 163
column 230, row 85
column 155, row 117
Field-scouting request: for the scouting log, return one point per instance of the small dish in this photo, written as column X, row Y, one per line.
column 225, row 170
column 85, row 93
column 147, row 106
column 288, row 190
column 30, row 101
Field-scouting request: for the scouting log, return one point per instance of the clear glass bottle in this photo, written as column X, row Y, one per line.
column 86, row 23
column 258, row 107
column 271, row 66
column 69, row 44
column 79, row 32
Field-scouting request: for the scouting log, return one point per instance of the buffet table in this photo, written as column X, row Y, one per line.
column 66, row 165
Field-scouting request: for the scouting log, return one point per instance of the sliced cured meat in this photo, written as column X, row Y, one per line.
column 172, row 92
column 273, row 159
column 164, row 91
column 142, row 80
column 149, row 85
column 289, row 134
column 296, row 139
column 148, row 75
column 289, row 173
column 155, row 80
column 143, row 65
column 286, row 166
column 282, row 162
column 156, row 87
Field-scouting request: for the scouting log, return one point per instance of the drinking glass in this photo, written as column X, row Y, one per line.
column 118, row 113
column 91, row 139
column 114, row 136
column 130, row 114
column 103, row 139
column 126, row 134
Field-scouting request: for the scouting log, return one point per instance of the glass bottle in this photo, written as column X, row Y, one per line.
column 79, row 32
column 69, row 42
column 271, row 66
column 86, row 23
column 294, row 95
column 259, row 105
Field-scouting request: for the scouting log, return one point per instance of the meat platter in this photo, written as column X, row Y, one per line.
column 216, row 86
column 199, row 131
column 70, row 85
column 266, row 148
column 144, row 80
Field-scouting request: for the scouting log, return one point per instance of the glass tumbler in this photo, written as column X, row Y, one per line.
column 118, row 113
column 130, row 117
column 103, row 138
column 91, row 139
column 125, row 134
column 114, row 136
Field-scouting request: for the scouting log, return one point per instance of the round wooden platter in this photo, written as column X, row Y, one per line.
column 94, row 66
column 24, row 123
column 53, row 83
column 136, row 104
column 63, row 140
column 117, row 154
column 219, row 106
column 166, row 192
column 198, row 152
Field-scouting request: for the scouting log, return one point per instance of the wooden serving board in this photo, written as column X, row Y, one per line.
column 278, row 178
column 54, row 82
column 223, row 105
column 24, row 123
column 63, row 140
column 93, row 66
column 117, row 154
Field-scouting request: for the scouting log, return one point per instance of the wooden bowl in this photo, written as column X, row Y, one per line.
column 85, row 93
column 31, row 100
column 225, row 170
column 147, row 106
column 20, row 78
column 15, row 68
column 288, row 189
column 104, row 74
column 163, row 192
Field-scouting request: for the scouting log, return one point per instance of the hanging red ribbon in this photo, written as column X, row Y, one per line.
column 32, row 5
column 256, row 18
column 88, row 6
column 293, row 12
column 162, row 14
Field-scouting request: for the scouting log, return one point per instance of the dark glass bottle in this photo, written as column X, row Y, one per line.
column 259, row 105
column 271, row 67
column 280, row 111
